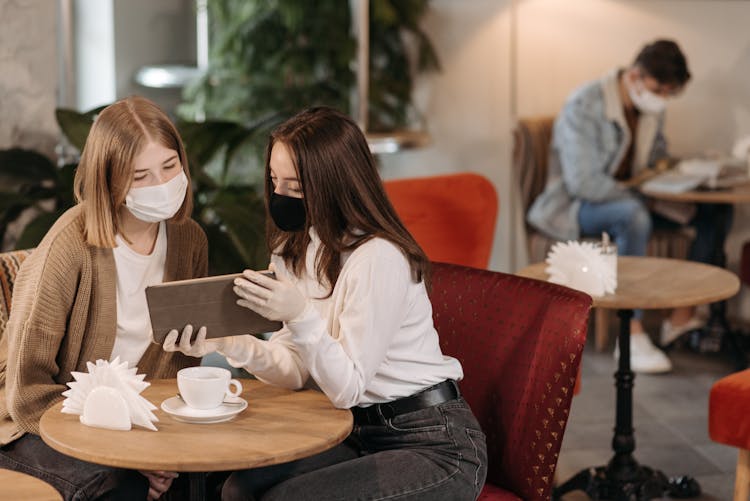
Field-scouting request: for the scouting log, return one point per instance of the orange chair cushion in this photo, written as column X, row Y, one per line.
column 452, row 217
column 728, row 410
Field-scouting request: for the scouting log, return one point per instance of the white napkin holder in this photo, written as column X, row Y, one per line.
column 582, row 266
column 108, row 396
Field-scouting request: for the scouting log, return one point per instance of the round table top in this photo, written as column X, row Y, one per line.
column 734, row 195
column 656, row 283
column 16, row 485
column 278, row 425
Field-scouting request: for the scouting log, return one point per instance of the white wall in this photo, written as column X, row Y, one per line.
column 562, row 44
column 28, row 75
column 557, row 45
column 467, row 106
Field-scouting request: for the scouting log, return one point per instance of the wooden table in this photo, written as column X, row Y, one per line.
column 16, row 485
column 739, row 194
column 717, row 328
column 278, row 425
column 642, row 283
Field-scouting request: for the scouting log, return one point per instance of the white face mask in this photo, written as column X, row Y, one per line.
column 157, row 203
column 645, row 100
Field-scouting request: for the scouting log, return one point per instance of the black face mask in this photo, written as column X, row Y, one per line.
column 288, row 213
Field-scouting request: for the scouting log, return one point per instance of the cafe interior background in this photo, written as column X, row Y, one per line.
column 500, row 60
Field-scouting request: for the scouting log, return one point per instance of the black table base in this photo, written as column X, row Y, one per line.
column 644, row 484
column 623, row 478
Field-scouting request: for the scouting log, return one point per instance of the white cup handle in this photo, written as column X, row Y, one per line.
column 237, row 389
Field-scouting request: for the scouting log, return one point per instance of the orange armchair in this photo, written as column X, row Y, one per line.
column 520, row 342
column 452, row 217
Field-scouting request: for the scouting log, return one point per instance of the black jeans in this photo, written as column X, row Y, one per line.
column 76, row 480
column 430, row 454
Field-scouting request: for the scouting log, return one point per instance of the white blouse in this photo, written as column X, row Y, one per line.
column 371, row 341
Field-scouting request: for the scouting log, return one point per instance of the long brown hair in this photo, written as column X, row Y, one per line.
column 105, row 172
column 343, row 196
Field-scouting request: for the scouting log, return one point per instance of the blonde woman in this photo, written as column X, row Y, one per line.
column 80, row 296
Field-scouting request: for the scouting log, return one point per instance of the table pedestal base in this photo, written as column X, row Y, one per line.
column 640, row 484
column 623, row 479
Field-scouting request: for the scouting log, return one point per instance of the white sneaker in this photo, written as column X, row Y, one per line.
column 669, row 333
column 644, row 356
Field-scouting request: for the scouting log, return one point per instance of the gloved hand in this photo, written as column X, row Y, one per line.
column 200, row 347
column 240, row 349
column 275, row 299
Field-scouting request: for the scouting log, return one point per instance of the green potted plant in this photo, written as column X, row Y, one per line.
column 269, row 59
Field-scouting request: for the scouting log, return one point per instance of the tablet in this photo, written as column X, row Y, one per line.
column 209, row 302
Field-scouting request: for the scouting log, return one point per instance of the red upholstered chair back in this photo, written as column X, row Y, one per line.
column 10, row 262
column 520, row 343
column 452, row 217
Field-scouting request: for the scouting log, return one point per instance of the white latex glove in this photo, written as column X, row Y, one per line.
column 275, row 299
column 238, row 349
column 200, row 347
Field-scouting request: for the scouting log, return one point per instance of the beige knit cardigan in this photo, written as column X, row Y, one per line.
column 64, row 313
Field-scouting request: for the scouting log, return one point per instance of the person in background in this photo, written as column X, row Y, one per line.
column 79, row 296
column 351, row 289
column 606, row 141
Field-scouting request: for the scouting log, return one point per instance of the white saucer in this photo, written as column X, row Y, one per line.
column 179, row 410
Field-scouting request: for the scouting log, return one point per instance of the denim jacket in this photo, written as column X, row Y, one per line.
column 589, row 139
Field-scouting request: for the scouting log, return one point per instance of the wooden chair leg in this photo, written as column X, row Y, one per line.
column 742, row 476
column 601, row 328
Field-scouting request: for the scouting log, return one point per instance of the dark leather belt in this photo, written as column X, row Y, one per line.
column 434, row 395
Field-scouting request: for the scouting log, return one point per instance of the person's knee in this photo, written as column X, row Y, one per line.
column 638, row 220
column 236, row 489
column 115, row 485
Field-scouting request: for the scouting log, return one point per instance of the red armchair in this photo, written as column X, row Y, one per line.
column 520, row 343
column 452, row 217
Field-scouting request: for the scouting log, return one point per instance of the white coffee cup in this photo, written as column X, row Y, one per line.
column 206, row 387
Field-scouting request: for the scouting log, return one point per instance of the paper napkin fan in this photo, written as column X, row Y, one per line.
column 580, row 265
column 108, row 396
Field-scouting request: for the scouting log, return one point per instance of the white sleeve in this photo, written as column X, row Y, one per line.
column 375, row 288
column 275, row 361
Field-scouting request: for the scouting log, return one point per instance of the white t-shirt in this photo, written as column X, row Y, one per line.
column 371, row 341
column 135, row 272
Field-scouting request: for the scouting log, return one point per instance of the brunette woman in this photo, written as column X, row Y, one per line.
column 351, row 289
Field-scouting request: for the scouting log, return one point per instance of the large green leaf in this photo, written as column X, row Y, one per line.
column 75, row 125
column 242, row 216
column 20, row 166
column 34, row 231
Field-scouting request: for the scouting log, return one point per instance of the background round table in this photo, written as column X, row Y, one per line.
column 15, row 485
column 657, row 283
column 734, row 195
column 642, row 283
column 278, row 425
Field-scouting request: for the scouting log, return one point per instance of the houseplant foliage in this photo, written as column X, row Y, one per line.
column 271, row 58
column 231, row 213
column 29, row 180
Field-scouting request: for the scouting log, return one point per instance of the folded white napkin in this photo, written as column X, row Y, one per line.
column 108, row 396
column 582, row 266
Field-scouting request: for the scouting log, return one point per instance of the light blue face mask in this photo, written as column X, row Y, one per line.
column 158, row 203
column 645, row 100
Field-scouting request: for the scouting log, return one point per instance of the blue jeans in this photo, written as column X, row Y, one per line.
column 629, row 222
column 430, row 454
column 76, row 480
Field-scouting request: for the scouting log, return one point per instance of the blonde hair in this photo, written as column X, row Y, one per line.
column 106, row 170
